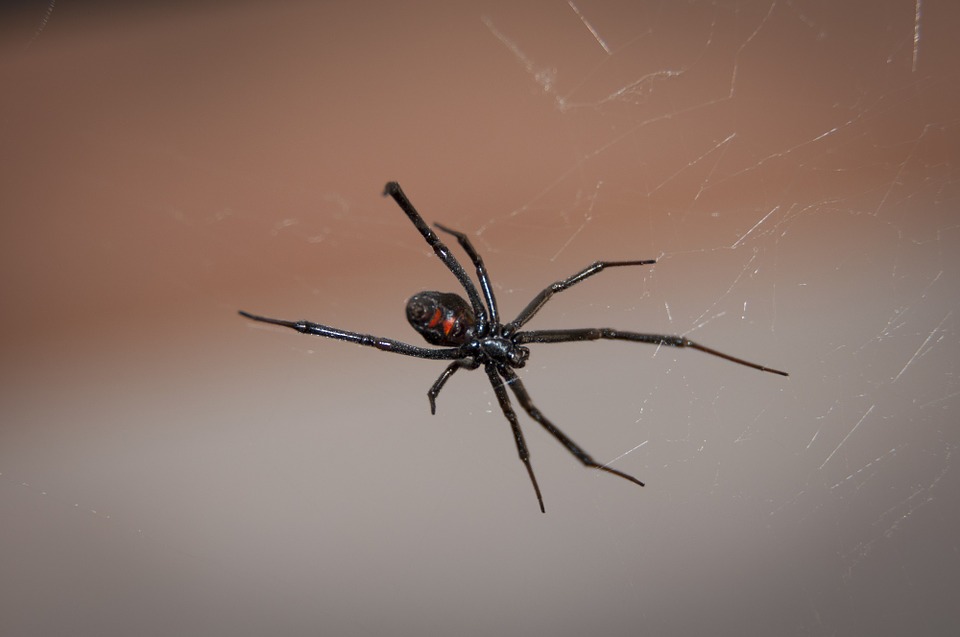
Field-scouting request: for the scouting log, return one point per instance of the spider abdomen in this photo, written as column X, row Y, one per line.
column 442, row 318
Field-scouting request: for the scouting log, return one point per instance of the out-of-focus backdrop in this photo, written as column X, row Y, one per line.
column 169, row 468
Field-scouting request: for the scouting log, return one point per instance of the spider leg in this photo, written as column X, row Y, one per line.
column 507, row 409
column 481, row 270
column 525, row 401
column 384, row 344
column 469, row 363
column 443, row 253
column 541, row 299
column 597, row 333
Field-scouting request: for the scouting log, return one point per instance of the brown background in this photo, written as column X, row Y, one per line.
column 167, row 467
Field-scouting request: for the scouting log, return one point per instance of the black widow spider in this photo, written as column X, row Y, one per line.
column 473, row 335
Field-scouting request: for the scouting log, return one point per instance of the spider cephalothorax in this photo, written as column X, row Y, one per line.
column 472, row 336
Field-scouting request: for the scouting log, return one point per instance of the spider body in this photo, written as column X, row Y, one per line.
column 442, row 318
column 471, row 335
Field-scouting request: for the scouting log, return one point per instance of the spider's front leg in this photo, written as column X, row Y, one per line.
column 507, row 409
column 527, row 403
column 547, row 293
column 597, row 333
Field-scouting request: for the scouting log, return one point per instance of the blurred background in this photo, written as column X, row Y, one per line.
column 167, row 467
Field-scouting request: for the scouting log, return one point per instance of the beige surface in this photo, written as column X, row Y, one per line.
column 167, row 468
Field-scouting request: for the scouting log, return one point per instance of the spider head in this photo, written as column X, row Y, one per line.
column 519, row 356
column 442, row 318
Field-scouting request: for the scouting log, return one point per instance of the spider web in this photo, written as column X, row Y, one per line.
column 792, row 166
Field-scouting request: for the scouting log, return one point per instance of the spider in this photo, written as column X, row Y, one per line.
column 472, row 336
